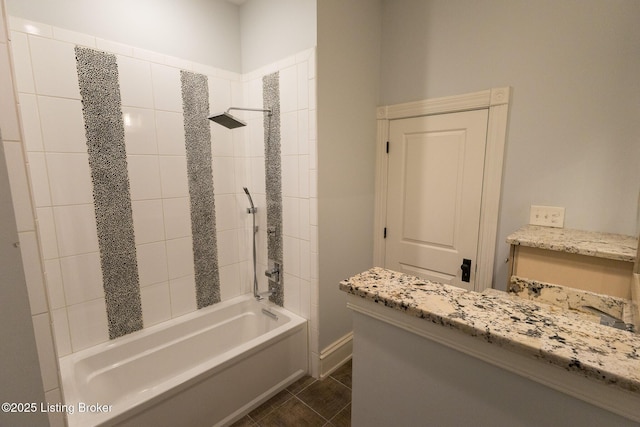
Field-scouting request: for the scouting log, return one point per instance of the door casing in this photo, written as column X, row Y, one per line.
column 496, row 100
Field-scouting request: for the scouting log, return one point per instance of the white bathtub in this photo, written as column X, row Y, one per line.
column 205, row 368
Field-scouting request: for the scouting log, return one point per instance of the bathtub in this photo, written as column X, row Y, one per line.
column 204, row 368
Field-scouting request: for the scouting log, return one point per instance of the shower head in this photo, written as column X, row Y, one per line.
column 246, row 190
column 227, row 120
column 230, row 122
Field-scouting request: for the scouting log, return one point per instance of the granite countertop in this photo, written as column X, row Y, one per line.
column 602, row 245
column 530, row 328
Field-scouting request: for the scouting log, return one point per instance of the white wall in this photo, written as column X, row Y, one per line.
column 178, row 28
column 573, row 137
column 272, row 30
column 348, row 81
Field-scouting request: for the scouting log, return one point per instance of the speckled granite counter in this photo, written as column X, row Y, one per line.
column 602, row 245
column 529, row 328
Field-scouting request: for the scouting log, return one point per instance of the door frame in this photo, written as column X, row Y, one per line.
column 496, row 100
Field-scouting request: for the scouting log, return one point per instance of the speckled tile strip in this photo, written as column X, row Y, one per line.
column 195, row 105
column 273, row 177
column 104, row 128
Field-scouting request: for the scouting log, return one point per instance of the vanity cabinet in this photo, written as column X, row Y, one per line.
column 591, row 261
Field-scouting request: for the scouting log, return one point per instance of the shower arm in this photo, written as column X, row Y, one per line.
column 262, row 110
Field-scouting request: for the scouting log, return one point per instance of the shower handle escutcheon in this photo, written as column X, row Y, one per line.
column 273, row 273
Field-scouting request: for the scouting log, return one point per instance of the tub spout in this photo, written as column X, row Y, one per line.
column 261, row 295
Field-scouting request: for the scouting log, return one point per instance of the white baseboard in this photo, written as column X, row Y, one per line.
column 335, row 355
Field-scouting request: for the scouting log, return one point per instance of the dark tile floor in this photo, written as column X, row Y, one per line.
column 307, row 402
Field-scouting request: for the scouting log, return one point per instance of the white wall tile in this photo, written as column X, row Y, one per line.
column 292, row 293
column 33, row 271
column 62, row 125
column 53, row 281
column 75, row 229
column 219, row 94
column 224, row 175
column 288, row 89
column 313, row 211
column 88, row 324
column 257, row 168
column 291, row 255
column 303, row 175
column 173, row 176
column 313, row 183
column 312, row 125
column 304, row 219
column 134, row 76
column 144, row 172
column 178, row 63
column 305, row 260
column 152, row 263
column 114, row 47
column 222, row 144
column 291, row 216
column 170, row 129
column 139, row 130
column 54, row 67
column 227, row 247
column 148, row 221
column 230, row 282
column 74, row 37
column 156, row 303
column 226, row 212
column 305, row 299
column 82, row 278
column 289, row 133
column 61, row 331
column 312, row 93
column 167, row 89
column 46, row 353
column 254, row 96
column 69, row 178
column 303, row 85
column 180, row 257
column 313, row 155
column 314, row 266
column 31, row 129
column 312, row 64
column 242, row 174
column 290, row 179
column 47, row 233
column 177, row 217
column 19, row 186
column 303, row 132
column 22, row 62
column 31, row 27
column 148, row 55
column 8, row 110
column 183, row 295
column 240, row 142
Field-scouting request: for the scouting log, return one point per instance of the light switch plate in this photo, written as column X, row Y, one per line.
column 548, row 216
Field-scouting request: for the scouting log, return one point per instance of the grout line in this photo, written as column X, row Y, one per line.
column 305, row 404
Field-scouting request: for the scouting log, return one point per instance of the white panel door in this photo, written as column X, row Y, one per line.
column 434, row 195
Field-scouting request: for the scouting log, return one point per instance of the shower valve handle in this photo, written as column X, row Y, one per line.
column 274, row 273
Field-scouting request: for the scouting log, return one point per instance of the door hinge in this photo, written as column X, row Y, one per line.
column 385, row 233
column 387, row 147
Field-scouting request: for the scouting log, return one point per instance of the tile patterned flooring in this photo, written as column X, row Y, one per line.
column 307, row 402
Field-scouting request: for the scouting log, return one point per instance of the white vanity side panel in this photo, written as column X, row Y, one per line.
column 401, row 378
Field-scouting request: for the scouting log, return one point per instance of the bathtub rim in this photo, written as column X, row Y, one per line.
column 184, row 379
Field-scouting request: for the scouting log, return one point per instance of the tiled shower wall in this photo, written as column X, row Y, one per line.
column 152, row 111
